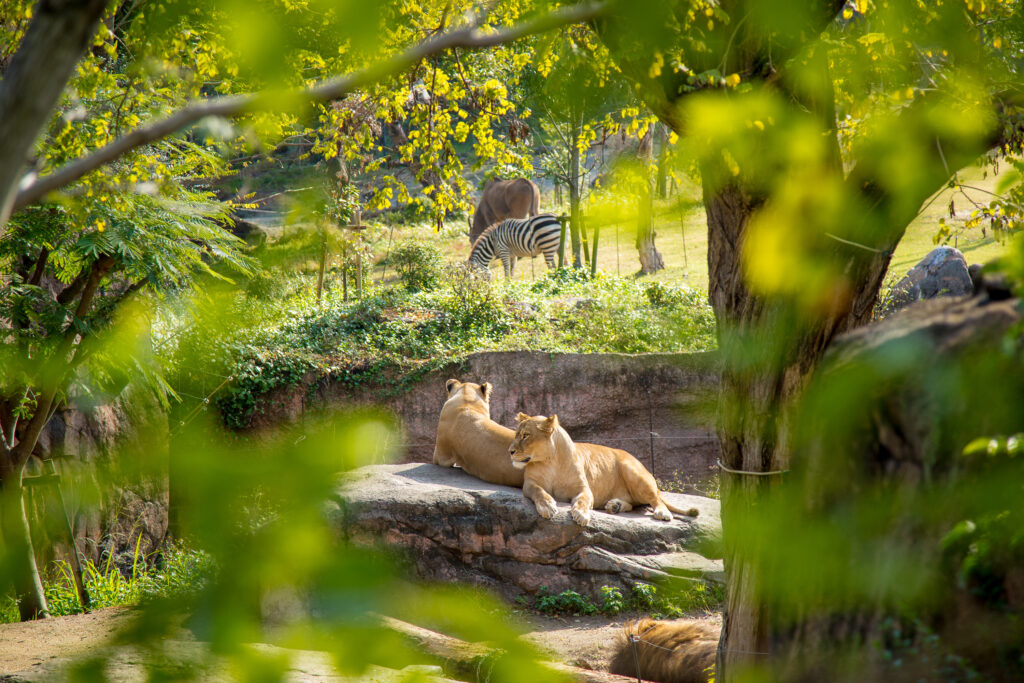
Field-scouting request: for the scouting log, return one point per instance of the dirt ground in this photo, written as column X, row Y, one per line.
column 27, row 648
column 32, row 643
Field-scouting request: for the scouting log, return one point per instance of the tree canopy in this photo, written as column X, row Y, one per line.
column 819, row 130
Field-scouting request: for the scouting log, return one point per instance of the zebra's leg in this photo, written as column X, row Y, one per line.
column 512, row 266
column 506, row 261
column 549, row 258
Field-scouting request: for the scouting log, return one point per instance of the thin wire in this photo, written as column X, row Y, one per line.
column 668, row 649
column 856, row 244
column 628, row 438
column 722, row 467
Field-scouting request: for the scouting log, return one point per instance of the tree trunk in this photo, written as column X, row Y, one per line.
column 662, row 179
column 650, row 259
column 17, row 541
column 59, row 34
column 574, row 200
column 768, row 346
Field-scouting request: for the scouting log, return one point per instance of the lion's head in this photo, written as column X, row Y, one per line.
column 534, row 440
column 469, row 392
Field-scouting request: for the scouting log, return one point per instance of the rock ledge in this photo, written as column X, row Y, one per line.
column 458, row 528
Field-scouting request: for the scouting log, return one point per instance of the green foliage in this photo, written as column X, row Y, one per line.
column 683, row 598
column 611, row 600
column 568, row 601
column 393, row 335
column 910, row 646
column 175, row 572
column 420, row 265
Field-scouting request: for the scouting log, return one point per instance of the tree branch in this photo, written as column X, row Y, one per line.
column 333, row 89
column 45, row 402
column 75, row 288
column 37, row 273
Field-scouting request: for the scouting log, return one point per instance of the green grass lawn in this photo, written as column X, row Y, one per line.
column 682, row 236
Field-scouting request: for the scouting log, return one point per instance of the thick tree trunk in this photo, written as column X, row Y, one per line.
column 17, row 542
column 59, row 34
column 650, row 260
column 769, row 346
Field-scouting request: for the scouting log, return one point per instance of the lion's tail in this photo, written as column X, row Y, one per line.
column 689, row 512
column 666, row 651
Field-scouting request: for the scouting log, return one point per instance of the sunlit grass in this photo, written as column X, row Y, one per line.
column 177, row 571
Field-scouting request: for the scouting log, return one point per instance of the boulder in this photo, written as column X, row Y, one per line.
column 943, row 272
column 458, row 528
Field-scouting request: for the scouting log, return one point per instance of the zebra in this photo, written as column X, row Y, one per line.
column 517, row 237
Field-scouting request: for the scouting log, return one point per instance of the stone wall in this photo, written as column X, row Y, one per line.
column 113, row 463
column 613, row 399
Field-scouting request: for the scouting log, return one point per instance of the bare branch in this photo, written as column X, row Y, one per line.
column 471, row 37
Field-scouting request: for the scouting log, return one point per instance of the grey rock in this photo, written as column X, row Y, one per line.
column 942, row 272
column 458, row 528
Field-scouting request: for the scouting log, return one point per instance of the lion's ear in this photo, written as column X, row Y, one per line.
column 449, row 384
column 485, row 390
column 549, row 425
column 522, row 417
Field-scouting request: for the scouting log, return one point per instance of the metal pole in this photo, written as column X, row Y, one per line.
column 387, row 254
column 344, row 273
column 636, row 659
column 320, row 273
column 682, row 230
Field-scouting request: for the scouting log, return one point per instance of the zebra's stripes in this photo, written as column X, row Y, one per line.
column 514, row 238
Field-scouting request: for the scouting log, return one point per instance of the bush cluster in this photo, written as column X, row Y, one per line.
column 174, row 572
column 435, row 315
column 697, row 596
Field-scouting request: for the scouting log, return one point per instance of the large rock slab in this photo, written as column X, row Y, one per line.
column 455, row 527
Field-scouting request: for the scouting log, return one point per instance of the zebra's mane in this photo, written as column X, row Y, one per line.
column 486, row 233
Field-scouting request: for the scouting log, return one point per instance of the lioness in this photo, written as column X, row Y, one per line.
column 584, row 473
column 469, row 438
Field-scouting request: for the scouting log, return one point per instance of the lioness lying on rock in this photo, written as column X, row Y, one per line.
column 469, row 438
column 584, row 473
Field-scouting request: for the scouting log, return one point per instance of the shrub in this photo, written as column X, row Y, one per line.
column 420, row 265
column 176, row 571
column 611, row 600
column 568, row 602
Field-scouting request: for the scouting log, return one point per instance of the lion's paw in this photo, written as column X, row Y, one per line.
column 581, row 517
column 661, row 512
column 546, row 510
column 613, row 506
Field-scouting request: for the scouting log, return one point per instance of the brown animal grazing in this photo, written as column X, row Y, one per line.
column 688, row 655
column 501, row 199
column 586, row 474
column 469, row 438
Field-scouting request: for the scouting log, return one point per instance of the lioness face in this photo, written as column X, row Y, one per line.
column 533, row 440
